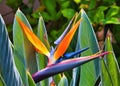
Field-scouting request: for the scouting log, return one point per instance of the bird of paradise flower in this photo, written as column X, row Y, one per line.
column 55, row 62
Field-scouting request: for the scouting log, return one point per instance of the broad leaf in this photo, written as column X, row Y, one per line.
column 87, row 38
column 112, row 65
column 8, row 69
column 112, row 11
column 63, row 81
column 30, row 80
column 68, row 13
column 76, row 71
column 2, row 83
column 112, row 20
column 24, row 51
column 99, row 14
column 105, row 77
column 41, row 59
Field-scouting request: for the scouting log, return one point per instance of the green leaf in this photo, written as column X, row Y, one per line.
column 112, row 11
column 68, row 13
column 42, row 59
column 76, row 71
column 65, row 4
column 107, row 2
column 24, row 51
column 30, row 80
column 50, row 7
column 92, row 4
column 87, row 38
column 112, row 65
column 112, row 20
column 8, row 69
column 2, row 82
column 105, row 77
column 76, row 76
column 99, row 15
column 16, row 3
column 77, row 1
column 63, row 81
column 46, row 16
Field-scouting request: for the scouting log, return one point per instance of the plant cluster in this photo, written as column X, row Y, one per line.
column 31, row 61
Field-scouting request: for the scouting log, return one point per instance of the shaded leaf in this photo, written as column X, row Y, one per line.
column 50, row 7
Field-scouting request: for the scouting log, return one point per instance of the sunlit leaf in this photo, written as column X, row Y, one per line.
column 112, row 11
column 24, row 51
column 30, row 80
column 105, row 77
column 87, row 38
column 41, row 59
column 99, row 14
column 112, row 20
column 68, row 13
column 111, row 64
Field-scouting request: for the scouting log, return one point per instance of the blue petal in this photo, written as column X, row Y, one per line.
column 70, row 55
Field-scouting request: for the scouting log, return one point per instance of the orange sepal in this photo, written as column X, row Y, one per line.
column 40, row 47
column 62, row 47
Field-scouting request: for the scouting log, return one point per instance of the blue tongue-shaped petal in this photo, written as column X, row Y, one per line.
column 70, row 55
